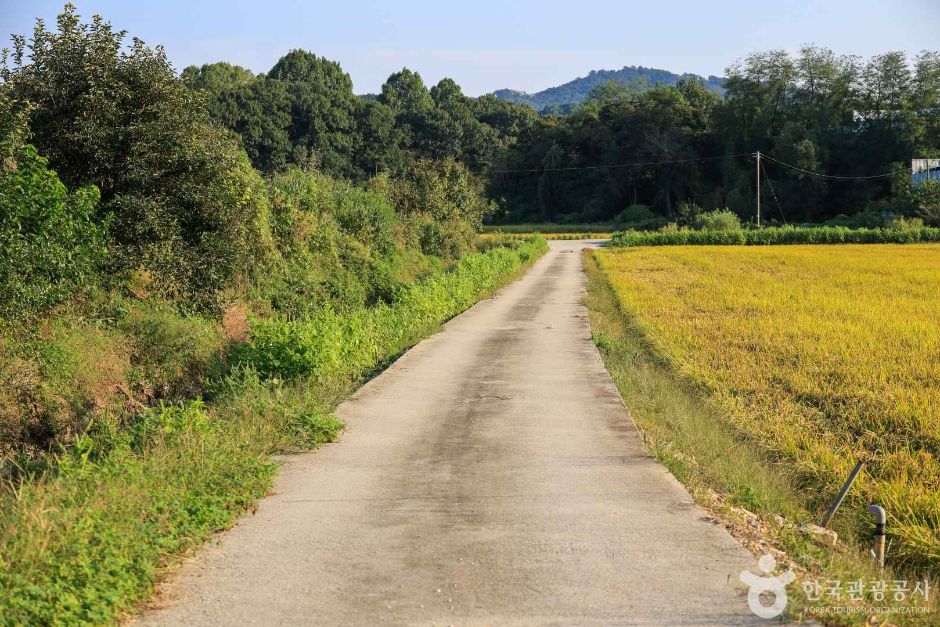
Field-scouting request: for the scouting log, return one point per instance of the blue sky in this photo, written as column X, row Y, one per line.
column 485, row 45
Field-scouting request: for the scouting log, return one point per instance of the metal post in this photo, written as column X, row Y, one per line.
column 880, row 519
column 841, row 496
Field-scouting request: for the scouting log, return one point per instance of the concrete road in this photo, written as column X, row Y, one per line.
column 491, row 476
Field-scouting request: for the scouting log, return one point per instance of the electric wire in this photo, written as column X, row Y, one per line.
column 832, row 177
column 619, row 165
column 773, row 193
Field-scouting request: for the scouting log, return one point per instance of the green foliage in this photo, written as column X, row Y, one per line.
column 445, row 202
column 336, row 243
column 14, row 130
column 303, row 113
column 322, row 108
column 926, row 200
column 815, row 110
column 718, row 220
column 80, row 544
column 185, row 201
column 49, row 244
column 349, row 344
column 634, row 214
column 778, row 235
column 172, row 353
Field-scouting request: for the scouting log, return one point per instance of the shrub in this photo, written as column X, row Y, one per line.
column 171, row 353
column 778, row 235
column 49, row 245
column 185, row 200
column 926, row 201
column 336, row 243
column 718, row 220
column 443, row 202
column 687, row 212
column 53, row 384
column 331, row 344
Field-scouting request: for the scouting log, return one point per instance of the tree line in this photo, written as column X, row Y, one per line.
column 816, row 111
column 113, row 162
column 303, row 112
column 219, row 185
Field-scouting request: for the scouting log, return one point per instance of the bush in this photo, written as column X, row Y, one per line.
column 185, row 200
column 443, row 202
column 52, row 385
column 718, row 220
column 926, row 200
column 778, row 235
column 337, row 244
column 172, row 353
column 687, row 212
column 49, row 244
column 330, row 344
column 639, row 217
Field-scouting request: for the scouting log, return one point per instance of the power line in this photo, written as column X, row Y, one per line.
column 773, row 193
column 832, row 176
column 618, row 165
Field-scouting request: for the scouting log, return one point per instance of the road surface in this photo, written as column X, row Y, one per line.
column 491, row 476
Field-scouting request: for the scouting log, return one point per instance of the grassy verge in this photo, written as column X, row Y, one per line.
column 86, row 538
column 778, row 235
column 760, row 500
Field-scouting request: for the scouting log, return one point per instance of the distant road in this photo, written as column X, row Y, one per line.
column 491, row 476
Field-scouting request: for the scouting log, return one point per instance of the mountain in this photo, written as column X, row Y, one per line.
column 564, row 97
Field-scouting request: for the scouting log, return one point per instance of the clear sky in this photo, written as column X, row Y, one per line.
column 486, row 45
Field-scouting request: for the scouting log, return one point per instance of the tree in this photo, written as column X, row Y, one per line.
column 185, row 202
column 378, row 140
column 445, row 201
column 322, row 110
column 217, row 77
column 548, row 185
column 406, row 93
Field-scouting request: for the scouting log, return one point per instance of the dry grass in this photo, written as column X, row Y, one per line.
column 819, row 355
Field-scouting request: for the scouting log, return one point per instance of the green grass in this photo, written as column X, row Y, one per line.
column 84, row 540
column 778, row 235
column 721, row 468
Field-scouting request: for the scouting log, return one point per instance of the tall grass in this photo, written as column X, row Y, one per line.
column 777, row 235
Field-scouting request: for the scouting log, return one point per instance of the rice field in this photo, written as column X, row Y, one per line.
column 819, row 355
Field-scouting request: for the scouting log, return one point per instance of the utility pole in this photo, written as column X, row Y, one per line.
column 757, row 178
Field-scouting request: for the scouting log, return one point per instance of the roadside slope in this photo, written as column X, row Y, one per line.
column 491, row 475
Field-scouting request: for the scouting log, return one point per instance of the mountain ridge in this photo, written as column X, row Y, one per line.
column 562, row 98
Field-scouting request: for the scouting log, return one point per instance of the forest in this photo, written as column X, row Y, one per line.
column 825, row 122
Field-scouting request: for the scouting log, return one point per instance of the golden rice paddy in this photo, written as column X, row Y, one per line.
column 820, row 355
